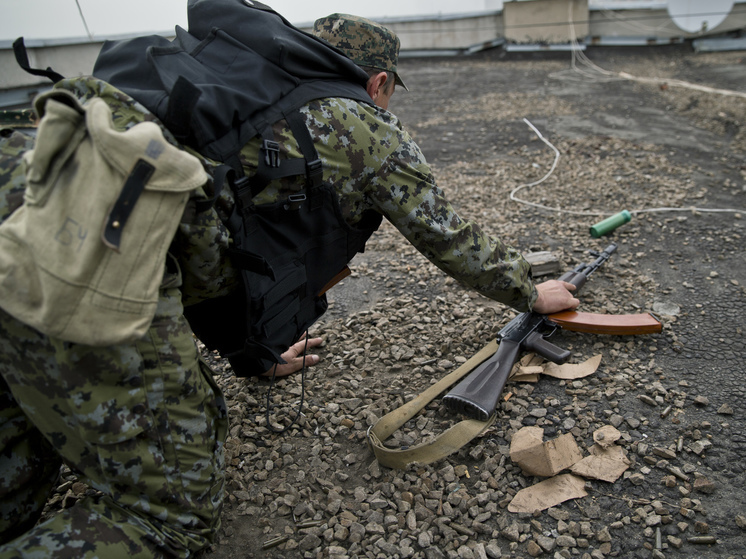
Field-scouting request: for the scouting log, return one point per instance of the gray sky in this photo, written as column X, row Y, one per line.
column 51, row 19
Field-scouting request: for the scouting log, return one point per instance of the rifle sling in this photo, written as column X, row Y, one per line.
column 463, row 432
column 444, row 444
column 614, row 324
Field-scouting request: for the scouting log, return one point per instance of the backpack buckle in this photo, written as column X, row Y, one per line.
column 314, row 172
column 271, row 151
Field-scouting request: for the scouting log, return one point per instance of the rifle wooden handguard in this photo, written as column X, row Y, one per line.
column 616, row 324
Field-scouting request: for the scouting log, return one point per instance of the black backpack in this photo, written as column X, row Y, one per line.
column 238, row 69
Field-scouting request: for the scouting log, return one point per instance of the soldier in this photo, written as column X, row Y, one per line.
column 144, row 423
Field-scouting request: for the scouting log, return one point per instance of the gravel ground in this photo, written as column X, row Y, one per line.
column 398, row 324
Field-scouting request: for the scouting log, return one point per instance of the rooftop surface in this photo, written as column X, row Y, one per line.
column 672, row 152
column 398, row 324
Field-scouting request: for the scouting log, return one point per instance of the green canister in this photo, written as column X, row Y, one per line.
column 610, row 223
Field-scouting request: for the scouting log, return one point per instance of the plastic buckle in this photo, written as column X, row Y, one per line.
column 314, row 170
column 242, row 190
column 271, row 153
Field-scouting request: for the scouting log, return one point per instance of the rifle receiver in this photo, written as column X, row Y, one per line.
column 477, row 395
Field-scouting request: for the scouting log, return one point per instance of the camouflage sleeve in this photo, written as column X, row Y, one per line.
column 13, row 144
column 389, row 174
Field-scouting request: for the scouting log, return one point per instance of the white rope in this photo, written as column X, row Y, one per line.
column 578, row 54
column 596, row 213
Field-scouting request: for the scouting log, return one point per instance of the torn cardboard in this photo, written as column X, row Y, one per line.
column 605, row 464
column 606, row 436
column 571, row 371
column 531, row 366
column 548, row 493
column 538, row 458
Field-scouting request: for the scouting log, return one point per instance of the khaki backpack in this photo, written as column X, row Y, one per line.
column 82, row 259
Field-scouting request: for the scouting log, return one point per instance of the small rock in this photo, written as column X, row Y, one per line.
column 603, row 535
column 701, row 527
column 493, row 550
column 741, row 521
column 511, row 533
column 669, row 481
column 647, row 400
column 633, row 422
column 704, row 485
column 702, row 401
column 566, row 541
column 547, row 544
column 309, row 542
column 636, row 479
column 534, row 549
column 667, row 308
column 424, row 540
column 675, row 542
column 725, row 409
column 698, row 447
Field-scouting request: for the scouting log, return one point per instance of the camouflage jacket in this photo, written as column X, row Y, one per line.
column 373, row 164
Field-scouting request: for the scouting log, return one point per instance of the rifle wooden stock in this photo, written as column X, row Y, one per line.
column 335, row 280
column 615, row 324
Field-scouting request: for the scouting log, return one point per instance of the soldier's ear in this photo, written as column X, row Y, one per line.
column 376, row 85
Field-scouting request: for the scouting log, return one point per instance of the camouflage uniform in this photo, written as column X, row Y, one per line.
column 375, row 165
column 145, row 423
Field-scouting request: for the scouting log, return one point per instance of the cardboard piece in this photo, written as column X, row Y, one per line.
column 538, row 458
column 606, row 436
column 531, row 366
column 605, row 464
column 527, row 368
column 570, row 371
column 548, row 493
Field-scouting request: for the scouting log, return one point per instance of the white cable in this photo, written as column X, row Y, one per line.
column 611, row 14
column 597, row 213
column 577, row 53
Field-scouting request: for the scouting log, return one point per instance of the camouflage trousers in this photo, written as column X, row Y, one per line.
column 144, row 424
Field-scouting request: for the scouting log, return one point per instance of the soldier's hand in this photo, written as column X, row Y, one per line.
column 555, row 296
column 294, row 358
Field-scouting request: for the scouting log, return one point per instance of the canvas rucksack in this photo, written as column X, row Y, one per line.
column 82, row 259
column 239, row 68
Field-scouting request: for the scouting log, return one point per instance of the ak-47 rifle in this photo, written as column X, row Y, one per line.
column 477, row 395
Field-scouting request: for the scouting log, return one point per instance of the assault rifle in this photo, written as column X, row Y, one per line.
column 477, row 395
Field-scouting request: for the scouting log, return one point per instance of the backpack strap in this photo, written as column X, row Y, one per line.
column 19, row 49
column 271, row 167
column 181, row 104
column 314, row 168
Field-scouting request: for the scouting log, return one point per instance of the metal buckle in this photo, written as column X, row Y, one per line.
column 294, row 201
